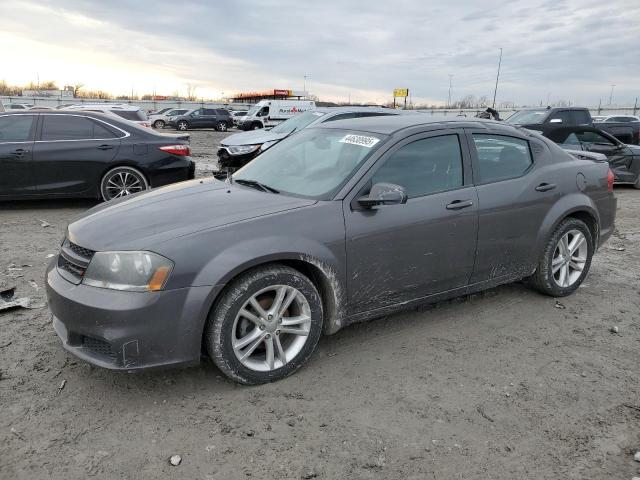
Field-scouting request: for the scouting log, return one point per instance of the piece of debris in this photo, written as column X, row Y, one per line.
column 17, row 434
column 175, row 460
column 559, row 305
column 583, row 374
column 617, row 249
column 309, row 473
column 480, row 410
column 44, row 223
column 62, row 384
column 614, row 329
column 636, row 457
column 7, row 301
column 34, row 284
column 6, row 344
column 50, row 255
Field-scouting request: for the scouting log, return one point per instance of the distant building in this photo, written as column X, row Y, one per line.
column 275, row 94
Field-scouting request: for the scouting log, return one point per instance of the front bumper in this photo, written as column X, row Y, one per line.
column 128, row 330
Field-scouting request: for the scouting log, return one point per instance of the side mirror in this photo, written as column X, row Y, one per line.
column 384, row 194
column 555, row 120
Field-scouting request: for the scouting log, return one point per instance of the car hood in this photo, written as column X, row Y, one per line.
column 253, row 137
column 145, row 220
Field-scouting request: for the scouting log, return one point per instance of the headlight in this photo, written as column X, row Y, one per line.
column 242, row 149
column 132, row 271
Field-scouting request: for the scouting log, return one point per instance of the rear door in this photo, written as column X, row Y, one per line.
column 16, row 153
column 209, row 118
column 398, row 253
column 72, row 153
column 514, row 195
column 619, row 156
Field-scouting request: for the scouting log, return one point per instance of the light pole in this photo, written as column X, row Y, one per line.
column 497, row 77
column 304, row 88
column 611, row 93
column 449, row 98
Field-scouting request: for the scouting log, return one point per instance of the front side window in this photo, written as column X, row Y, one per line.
column 501, row 157
column 425, row 166
column 314, row 163
column 68, row 127
column 16, row 128
column 581, row 117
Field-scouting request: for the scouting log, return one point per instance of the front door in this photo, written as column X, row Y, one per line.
column 16, row 150
column 398, row 253
column 72, row 153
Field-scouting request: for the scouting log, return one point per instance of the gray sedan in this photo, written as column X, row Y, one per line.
column 337, row 224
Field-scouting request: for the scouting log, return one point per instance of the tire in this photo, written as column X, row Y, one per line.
column 158, row 124
column 183, row 126
column 226, row 326
column 545, row 280
column 112, row 182
column 222, row 127
column 256, row 126
column 637, row 184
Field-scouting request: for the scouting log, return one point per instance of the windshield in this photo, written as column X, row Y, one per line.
column 297, row 122
column 253, row 110
column 314, row 163
column 524, row 117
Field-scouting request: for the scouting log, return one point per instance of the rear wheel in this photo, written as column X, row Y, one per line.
column 256, row 126
column 158, row 124
column 183, row 126
column 265, row 326
column 566, row 259
column 221, row 127
column 122, row 181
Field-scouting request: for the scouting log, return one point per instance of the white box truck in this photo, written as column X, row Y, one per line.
column 269, row 113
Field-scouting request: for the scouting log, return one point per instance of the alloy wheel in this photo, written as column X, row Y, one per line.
column 271, row 328
column 123, row 182
column 569, row 258
column 182, row 126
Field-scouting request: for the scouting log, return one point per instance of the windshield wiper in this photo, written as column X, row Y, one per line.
column 255, row 184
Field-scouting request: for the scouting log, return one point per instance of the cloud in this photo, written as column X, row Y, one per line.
column 571, row 49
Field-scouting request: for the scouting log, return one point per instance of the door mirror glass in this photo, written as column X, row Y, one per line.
column 555, row 120
column 384, row 194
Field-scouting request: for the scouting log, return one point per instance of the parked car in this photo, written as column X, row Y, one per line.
column 239, row 149
column 236, row 115
column 340, row 223
column 541, row 118
column 18, row 106
column 160, row 120
column 269, row 113
column 85, row 154
column 128, row 112
column 204, row 117
column 615, row 118
column 624, row 160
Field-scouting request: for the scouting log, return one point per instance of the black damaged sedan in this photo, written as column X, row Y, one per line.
column 85, row 154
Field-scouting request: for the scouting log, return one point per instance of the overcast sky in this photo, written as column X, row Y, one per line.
column 556, row 49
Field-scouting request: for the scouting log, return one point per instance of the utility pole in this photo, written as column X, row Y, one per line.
column 611, row 94
column 495, row 91
column 635, row 106
column 449, row 98
column 304, row 88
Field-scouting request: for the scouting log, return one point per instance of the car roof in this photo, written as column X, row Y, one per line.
column 103, row 106
column 84, row 113
column 356, row 109
column 389, row 124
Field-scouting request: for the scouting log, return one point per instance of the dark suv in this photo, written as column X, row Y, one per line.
column 217, row 118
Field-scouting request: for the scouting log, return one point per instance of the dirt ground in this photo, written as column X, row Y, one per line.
column 507, row 384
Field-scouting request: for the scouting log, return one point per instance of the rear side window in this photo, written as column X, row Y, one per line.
column 500, row 157
column 425, row 166
column 580, row 117
column 341, row 116
column 222, row 112
column 67, row 127
column 134, row 115
column 16, row 128
column 593, row 137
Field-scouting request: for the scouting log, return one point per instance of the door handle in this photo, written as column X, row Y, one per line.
column 458, row 204
column 545, row 187
column 19, row 152
column 105, row 147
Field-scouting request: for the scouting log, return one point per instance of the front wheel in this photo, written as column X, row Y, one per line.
column 158, row 124
column 122, row 181
column 256, row 126
column 183, row 126
column 566, row 259
column 265, row 326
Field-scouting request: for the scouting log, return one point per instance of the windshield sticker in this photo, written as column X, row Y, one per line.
column 360, row 140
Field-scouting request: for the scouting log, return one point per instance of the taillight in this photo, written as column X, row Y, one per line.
column 610, row 179
column 180, row 150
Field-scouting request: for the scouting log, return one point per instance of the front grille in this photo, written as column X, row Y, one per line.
column 99, row 347
column 72, row 268
column 83, row 252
